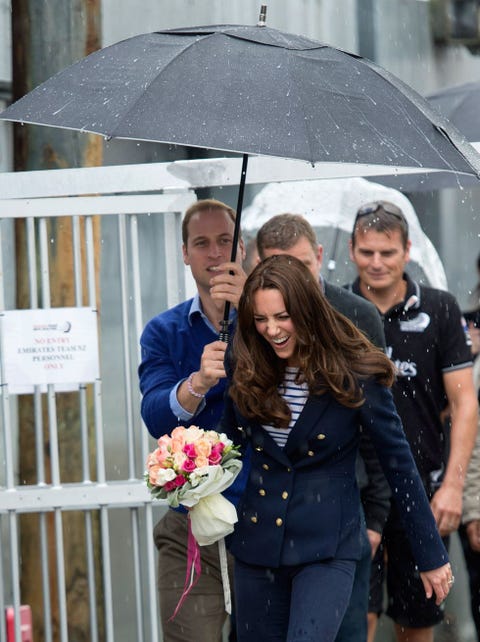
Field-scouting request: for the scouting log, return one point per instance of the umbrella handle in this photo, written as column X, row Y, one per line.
column 224, row 333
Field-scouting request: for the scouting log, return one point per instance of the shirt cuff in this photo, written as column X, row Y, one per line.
column 177, row 409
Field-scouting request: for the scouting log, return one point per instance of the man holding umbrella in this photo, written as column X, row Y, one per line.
column 182, row 379
column 427, row 340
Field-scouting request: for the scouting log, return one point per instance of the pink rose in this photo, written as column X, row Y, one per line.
column 179, row 480
column 175, row 483
column 164, row 439
column 218, row 448
column 189, row 465
column 189, row 450
column 164, row 442
column 178, row 439
column 161, row 454
column 215, row 458
column 179, row 432
column 153, row 473
column 216, row 454
column 163, row 451
column 152, row 459
column 200, row 462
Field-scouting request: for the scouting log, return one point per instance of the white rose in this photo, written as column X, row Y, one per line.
column 197, row 474
column 225, row 440
column 165, row 475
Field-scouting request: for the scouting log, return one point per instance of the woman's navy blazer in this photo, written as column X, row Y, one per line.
column 301, row 503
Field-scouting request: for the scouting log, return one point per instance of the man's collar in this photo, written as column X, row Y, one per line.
column 197, row 310
column 412, row 297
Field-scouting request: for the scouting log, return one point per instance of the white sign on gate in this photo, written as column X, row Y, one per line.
column 48, row 346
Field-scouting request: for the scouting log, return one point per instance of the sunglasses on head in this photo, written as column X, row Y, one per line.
column 371, row 208
column 388, row 208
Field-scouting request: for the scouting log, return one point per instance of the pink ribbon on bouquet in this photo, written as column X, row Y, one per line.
column 194, row 569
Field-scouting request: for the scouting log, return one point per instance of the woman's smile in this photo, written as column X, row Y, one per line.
column 274, row 324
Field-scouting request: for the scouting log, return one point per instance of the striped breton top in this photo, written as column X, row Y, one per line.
column 296, row 396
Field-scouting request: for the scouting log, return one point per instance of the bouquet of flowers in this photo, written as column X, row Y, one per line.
column 192, row 467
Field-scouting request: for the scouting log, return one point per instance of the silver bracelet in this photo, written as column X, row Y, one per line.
column 190, row 389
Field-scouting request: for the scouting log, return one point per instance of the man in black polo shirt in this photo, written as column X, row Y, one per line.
column 427, row 340
column 292, row 234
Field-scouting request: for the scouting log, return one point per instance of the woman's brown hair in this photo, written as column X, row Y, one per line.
column 333, row 354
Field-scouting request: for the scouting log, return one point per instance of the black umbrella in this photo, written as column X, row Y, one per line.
column 461, row 105
column 251, row 90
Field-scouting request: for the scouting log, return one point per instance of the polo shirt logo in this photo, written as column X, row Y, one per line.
column 405, row 368
column 418, row 324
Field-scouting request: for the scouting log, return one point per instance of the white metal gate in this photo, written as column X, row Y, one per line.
column 108, row 488
column 141, row 274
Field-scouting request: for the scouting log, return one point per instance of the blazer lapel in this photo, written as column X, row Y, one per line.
column 307, row 424
column 261, row 440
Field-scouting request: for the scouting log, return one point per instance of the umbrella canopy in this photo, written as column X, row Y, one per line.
column 252, row 90
column 461, row 105
column 330, row 206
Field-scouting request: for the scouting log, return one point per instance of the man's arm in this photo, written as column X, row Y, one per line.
column 375, row 494
column 463, row 406
column 374, row 490
column 168, row 360
column 471, row 501
column 158, row 375
column 180, row 364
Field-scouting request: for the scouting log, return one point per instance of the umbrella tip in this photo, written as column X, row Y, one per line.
column 262, row 18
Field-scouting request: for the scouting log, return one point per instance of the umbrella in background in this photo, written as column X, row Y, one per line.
column 330, row 206
column 251, row 90
column 461, row 105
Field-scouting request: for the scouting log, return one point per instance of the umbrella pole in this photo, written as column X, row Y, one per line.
column 224, row 333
